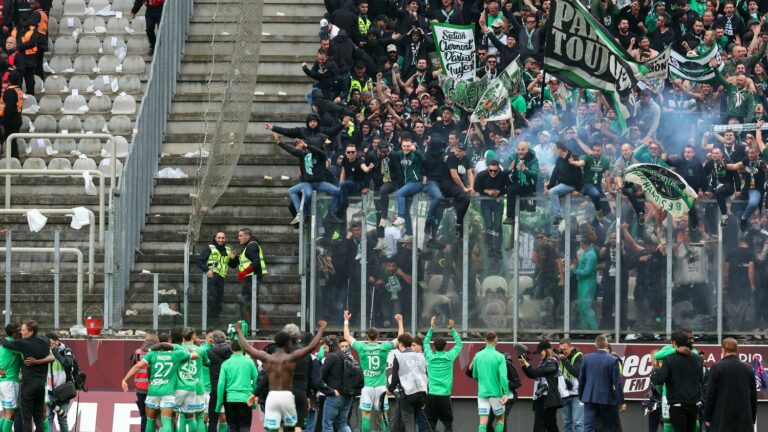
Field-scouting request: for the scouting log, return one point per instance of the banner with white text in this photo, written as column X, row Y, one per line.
column 456, row 46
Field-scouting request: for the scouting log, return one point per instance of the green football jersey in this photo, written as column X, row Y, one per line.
column 190, row 374
column 373, row 361
column 163, row 368
column 10, row 362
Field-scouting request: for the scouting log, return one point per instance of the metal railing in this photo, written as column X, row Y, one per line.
column 136, row 183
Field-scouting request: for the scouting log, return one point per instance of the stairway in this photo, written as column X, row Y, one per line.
column 251, row 200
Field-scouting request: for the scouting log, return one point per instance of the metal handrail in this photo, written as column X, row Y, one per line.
column 11, row 137
column 29, row 172
column 91, row 235
column 75, row 251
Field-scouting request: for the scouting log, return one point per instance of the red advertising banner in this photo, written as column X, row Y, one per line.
column 105, row 361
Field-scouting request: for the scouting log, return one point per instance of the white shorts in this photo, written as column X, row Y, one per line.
column 485, row 405
column 206, row 400
column 188, row 402
column 160, row 402
column 279, row 408
column 370, row 396
column 9, row 395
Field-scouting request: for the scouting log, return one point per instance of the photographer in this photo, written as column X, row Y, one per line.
column 59, row 372
column 546, row 396
column 570, row 364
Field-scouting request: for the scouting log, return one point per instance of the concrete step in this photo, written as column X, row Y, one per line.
column 221, row 69
column 270, row 45
column 191, row 125
column 209, row 10
column 273, row 105
column 264, row 86
column 270, row 25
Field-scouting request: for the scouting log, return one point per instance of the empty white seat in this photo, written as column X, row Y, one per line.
column 85, row 64
column 26, row 124
column 123, row 6
column 100, row 103
column 30, row 105
column 118, row 26
column 134, row 64
column 60, row 64
column 138, row 45
column 15, row 164
column 65, row 45
column 104, row 167
column 59, row 164
column 68, row 26
column 139, row 25
column 45, row 124
column 89, row 146
column 75, row 104
column 99, row 7
column 124, row 104
column 65, row 146
column 57, row 8
column 74, row 7
column 129, row 84
column 38, row 85
column 106, row 84
column 34, row 163
column 37, row 147
column 120, row 147
column 89, row 45
column 56, row 84
column 94, row 123
column 82, row 83
column 50, row 104
column 120, row 125
column 94, row 25
column 85, row 164
column 71, row 124
column 53, row 26
column 108, row 64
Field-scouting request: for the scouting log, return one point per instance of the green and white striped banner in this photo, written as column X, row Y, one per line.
column 695, row 68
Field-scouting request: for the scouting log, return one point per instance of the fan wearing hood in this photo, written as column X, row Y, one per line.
column 215, row 261
column 308, row 133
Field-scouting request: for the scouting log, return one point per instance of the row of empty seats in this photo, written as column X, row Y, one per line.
column 94, row 7
column 76, row 104
column 106, row 84
column 67, row 45
column 117, row 125
column 35, row 163
column 67, row 146
column 96, row 25
column 106, row 64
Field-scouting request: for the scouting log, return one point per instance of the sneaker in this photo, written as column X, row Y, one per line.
column 399, row 222
column 509, row 221
column 406, row 239
column 743, row 224
column 434, row 244
column 296, row 220
column 724, row 221
column 383, row 223
column 332, row 218
column 556, row 221
column 380, row 245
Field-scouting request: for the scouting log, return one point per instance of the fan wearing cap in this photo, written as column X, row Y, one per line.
column 506, row 48
column 659, row 9
column 546, row 396
column 409, row 18
column 497, row 31
column 458, row 184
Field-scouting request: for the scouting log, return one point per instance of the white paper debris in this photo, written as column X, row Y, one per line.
column 80, row 218
column 36, row 220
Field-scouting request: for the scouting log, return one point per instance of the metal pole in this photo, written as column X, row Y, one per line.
column 205, row 301
column 8, row 276
column 303, row 266
column 515, row 273
column 56, row 279
column 186, row 282
column 567, row 265
column 719, row 266
column 668, row 318
column 254, row 303
column 617, row 277
column 155, row 300
column 363, row 262
column 465, row 278
column 313, row 264
column 414, row 262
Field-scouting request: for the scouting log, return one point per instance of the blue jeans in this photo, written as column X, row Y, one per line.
column 432, row 189
column 404, row 198
column 573, row 414
column 554, row 197
column 347, row 188
column 63, row 426
column 492, row 211
column 335, row 412
column 306, row 189
column 752, row 204
column 595, row 193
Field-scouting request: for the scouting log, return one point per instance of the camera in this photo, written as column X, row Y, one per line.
column 559, row 351
column 521, row 351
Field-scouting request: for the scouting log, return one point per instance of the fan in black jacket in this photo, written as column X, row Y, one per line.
column 218, row 354
column 325, row 72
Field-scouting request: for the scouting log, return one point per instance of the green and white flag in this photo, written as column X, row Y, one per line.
column 456, row 46
column 695, row 68
column 494, row 104
column 583, row 53
column 466, row 94
column 663, row 186
column 658, row 71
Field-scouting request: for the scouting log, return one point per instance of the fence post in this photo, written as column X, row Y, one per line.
column 155, row 299
column 617, row 277
column 8, row 276
column 313, row 263
column 464, row 277
column 515, row 272
column 205, row 302
column 56, row 279
column 363, row 261
column 668, row 317
column 186, row 282
column 254, row 303
column 302, row 266
column 567, row 259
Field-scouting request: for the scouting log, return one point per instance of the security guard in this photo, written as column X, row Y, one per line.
column 27, row 38
column 40, row 21
column 249, row 262
column 10, row 111
column 215, row 261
